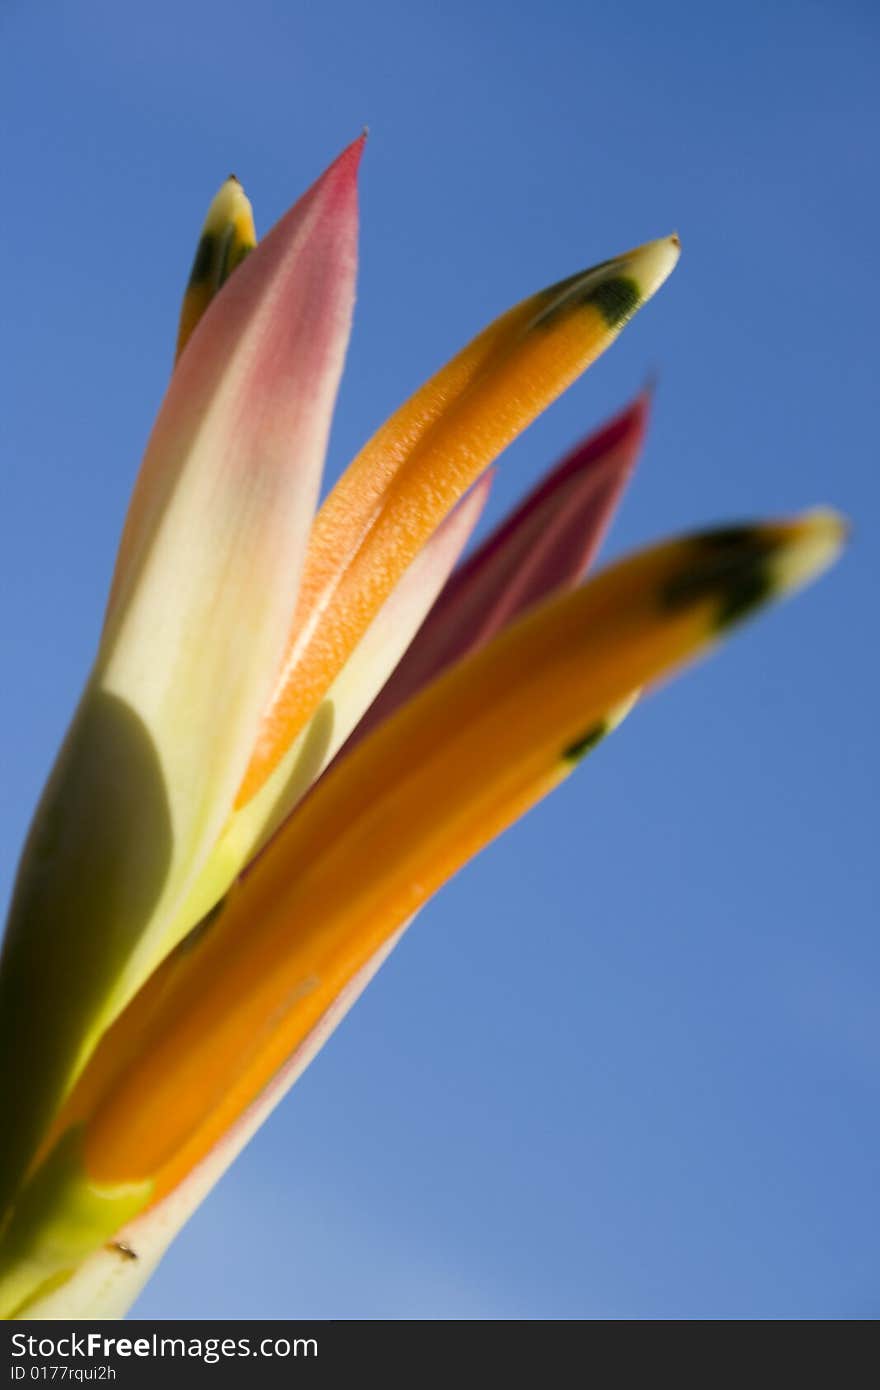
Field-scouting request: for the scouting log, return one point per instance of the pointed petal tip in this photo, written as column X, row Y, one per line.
column 615, row 288
column 633, row 418
column 827, row 521
column 230, row 207
column 618, row 712
column 653, row 263
column 625, row 430
column 813, row 543
column 743, row 568
column 350, row 158
column 339, row 179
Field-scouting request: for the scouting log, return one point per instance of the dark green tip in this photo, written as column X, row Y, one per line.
column 217, row 256
column 582, row 746
column 203, row 265
column 731, row 566
column 616, row 297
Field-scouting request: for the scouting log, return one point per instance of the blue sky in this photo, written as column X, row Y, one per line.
column 626, row 1065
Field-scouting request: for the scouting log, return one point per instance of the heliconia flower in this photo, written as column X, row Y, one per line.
column 300, row 724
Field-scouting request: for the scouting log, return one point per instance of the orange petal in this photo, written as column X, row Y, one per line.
column 407, row 478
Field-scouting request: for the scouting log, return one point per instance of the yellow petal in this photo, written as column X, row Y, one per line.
column 201, row 605
column 358, row 683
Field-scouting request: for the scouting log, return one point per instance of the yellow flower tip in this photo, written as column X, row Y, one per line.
column 651, row 264
column 813, row 543
column 228, row 235
column 740, row 569
column 613, row 289
column 231, row 207
column 618, row 712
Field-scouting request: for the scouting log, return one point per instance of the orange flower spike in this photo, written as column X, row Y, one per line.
column 437, row 781
column 239, row 1006
column 425, row 457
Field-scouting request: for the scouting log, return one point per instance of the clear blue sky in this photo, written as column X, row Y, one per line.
column 627, row 1064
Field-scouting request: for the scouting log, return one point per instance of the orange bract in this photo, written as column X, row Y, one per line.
column 396, row 819
column 417, row 466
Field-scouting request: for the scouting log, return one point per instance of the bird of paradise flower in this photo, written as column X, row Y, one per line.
column 301, row 723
